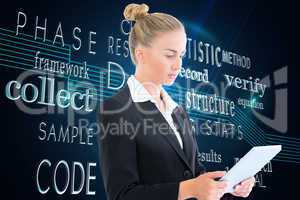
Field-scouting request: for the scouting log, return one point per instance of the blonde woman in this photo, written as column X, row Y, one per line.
column 147, row 148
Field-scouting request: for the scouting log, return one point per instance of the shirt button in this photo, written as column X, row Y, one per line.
column 187, row 174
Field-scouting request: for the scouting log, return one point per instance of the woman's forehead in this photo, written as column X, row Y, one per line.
column 171, row 41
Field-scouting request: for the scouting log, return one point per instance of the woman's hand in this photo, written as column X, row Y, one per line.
column 244, row 188
column 208, row 188
column 203, row 187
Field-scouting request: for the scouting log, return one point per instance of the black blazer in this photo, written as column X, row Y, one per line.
column 144, row 160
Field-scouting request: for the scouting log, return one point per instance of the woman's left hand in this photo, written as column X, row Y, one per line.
column 244, row 188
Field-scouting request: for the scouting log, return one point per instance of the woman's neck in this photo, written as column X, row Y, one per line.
column 153, row 88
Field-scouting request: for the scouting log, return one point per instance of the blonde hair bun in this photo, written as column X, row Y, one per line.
column 135, row 11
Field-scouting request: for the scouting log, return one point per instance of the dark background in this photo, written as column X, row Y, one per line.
column 266, row 31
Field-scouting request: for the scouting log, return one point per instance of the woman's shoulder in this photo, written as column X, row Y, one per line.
column 119, row 102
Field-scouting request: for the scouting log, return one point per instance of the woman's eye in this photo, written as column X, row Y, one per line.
column 173, row 56
column 170, row 56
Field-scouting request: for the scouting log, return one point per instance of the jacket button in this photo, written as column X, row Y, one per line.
column 187, row 174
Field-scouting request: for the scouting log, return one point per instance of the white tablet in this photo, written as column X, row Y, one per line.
column 250, row 164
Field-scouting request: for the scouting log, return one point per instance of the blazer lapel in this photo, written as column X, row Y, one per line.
column 149, row 109
column 185, row 130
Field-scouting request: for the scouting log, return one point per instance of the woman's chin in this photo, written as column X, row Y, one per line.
column 169, row 82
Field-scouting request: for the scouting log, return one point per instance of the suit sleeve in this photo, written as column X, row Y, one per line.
column 118, row 162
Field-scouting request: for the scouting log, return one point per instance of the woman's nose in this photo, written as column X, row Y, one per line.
column 177, row 65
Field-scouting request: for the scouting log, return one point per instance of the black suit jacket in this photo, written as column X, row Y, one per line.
column 144, row 160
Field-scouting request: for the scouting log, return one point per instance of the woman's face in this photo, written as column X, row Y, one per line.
column 162, row 60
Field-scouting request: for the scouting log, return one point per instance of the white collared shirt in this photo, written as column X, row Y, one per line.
column 140, row 94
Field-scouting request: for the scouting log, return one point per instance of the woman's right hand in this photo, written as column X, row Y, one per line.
column 203, row 187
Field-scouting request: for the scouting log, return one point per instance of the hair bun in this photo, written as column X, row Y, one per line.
column 135, row 11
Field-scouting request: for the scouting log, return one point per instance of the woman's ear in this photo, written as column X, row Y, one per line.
column 140, row 55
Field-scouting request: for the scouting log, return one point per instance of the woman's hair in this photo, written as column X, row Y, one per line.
column 147, row 26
